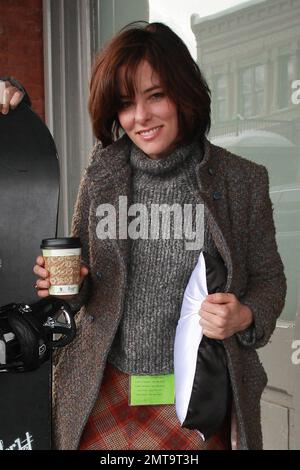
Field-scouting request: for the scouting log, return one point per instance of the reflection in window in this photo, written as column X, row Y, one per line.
column 272, row 138
column 252, row 90
column 286, row 76
column 219, row 98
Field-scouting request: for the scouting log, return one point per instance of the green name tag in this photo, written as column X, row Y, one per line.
column 152, row 390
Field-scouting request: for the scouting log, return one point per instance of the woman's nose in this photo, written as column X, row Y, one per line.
column 142, row 112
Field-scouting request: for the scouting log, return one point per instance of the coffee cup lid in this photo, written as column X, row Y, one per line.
column 67, row 242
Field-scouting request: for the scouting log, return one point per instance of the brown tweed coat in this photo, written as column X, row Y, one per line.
column 240, row 220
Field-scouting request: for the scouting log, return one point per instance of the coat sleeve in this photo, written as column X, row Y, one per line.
column 266, row 290
column 80, row 228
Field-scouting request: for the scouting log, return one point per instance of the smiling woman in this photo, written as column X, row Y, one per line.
column 146, row 84
column 150, row 118
column 124, row 75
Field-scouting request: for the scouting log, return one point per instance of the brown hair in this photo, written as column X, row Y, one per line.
column 169, row 57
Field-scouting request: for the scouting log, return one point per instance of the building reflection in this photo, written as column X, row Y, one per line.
column 250, row 55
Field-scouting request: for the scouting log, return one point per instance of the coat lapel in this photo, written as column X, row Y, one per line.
column 111, row 180
column 213, row 197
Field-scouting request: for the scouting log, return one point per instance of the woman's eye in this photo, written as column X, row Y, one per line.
column 157, row 96
column 125, row 104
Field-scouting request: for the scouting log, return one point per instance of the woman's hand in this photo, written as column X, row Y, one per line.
column 222, row 315
column 43, row 283
column 10, row 96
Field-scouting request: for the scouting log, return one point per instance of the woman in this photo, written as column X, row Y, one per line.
column 146, row 84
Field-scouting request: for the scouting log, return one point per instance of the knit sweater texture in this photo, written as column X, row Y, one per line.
column 161, row 259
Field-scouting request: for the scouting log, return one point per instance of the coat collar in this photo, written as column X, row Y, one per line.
column 111, row 166
column 110, row 176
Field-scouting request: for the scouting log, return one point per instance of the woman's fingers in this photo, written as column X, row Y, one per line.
column 41, row 272
column 42, row 293
column 40, row 261
column 83, row 273
column 43, row 284
column 39, row 268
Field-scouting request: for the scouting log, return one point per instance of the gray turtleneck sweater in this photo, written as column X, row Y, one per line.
column 160, row 266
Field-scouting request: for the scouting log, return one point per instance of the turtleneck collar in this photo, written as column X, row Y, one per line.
column 140, row 161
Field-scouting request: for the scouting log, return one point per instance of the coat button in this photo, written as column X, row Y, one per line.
column 98, row 275
column 217, row 195
column 210, row 171
column 91, row 318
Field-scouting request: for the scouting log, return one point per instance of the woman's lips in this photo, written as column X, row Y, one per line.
column 150, row 134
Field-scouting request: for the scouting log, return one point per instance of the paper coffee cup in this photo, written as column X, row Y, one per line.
column 62, row 261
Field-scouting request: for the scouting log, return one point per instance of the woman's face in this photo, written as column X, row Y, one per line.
column 149, row 119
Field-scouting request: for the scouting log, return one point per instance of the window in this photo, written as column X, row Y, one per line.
column 286, row 76
column 219, row 98
column 252, row 90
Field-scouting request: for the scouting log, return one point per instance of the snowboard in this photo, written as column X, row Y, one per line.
column 29, row 190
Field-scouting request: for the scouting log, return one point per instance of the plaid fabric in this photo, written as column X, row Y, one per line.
column 114, row 425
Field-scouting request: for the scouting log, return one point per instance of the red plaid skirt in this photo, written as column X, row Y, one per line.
column 114, row 425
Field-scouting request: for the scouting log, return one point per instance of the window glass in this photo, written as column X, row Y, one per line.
column 219, row 104
column 252, row 91
column 251, row 60
column 246, row 81
column 287, row 72
column 259, row 77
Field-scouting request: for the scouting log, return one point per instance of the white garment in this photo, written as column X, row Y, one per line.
column 188, row 337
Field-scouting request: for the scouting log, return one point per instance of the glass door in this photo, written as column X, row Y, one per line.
column 249, row 52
